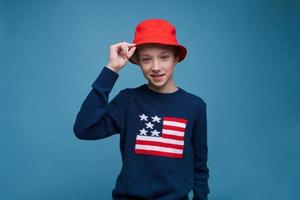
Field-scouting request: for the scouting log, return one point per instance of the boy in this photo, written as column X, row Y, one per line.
column 163, row 128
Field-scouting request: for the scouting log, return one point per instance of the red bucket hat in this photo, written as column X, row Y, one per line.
column 157, row 31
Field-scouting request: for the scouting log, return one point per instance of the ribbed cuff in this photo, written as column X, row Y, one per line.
column 106, row 80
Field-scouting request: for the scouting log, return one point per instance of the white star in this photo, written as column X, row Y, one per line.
column 143, row 132
column 149, row 124
column 144, row 117
column 155, row 133
column 155, row 118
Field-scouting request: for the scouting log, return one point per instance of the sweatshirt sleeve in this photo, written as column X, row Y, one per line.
column 201, row 171
column 97, row 118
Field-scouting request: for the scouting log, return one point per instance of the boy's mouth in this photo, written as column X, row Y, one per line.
column 156, row 75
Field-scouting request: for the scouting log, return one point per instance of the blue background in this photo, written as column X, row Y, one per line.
column 243, row 60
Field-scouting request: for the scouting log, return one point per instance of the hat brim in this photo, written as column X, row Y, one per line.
column 182, row 50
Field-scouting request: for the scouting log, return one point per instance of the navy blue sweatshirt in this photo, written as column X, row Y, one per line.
column 163, row 138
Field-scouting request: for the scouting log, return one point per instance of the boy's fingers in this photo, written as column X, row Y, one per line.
column 131, row 51
column 130, row 44
column 125, row 49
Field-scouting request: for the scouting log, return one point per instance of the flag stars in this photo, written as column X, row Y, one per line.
column 155, row 133
column 143, row 117
column 156, row 119
column 143, row 132
column 149, row 125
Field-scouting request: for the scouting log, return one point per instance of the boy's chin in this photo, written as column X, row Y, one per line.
column 157, row 84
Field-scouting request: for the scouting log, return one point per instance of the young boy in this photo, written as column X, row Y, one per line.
column 163, row 128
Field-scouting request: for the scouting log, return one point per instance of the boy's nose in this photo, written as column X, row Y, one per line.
column 156, row 65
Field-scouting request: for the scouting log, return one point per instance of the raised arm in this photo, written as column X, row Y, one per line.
column 97, row 118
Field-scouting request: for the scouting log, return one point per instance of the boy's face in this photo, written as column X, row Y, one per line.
column 157, row 63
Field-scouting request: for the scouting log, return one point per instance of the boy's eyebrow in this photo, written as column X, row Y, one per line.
column 160, row 53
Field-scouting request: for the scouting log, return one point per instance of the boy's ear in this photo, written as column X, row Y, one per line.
column 177, row 59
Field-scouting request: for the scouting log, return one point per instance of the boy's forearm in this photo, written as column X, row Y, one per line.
column 91, row 122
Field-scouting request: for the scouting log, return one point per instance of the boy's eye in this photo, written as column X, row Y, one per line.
column 145, row 59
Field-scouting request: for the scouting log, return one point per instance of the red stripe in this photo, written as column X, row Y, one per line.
column 175, row 119
column 160, row 144
column 174, row 128
column 157, row 153
column 175, row 137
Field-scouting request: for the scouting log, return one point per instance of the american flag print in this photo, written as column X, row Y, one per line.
column 161, row 136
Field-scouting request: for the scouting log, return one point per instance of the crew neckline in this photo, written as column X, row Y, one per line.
column 148, row 90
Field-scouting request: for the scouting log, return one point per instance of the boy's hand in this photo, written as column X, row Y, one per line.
column 119, row 55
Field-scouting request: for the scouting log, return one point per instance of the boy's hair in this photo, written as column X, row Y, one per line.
column 176, row 52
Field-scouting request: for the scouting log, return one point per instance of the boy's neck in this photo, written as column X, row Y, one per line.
column 165, row 89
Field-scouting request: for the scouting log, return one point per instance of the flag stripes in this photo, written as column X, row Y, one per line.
column 170, row 143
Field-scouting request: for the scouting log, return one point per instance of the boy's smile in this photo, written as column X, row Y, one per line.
column 157, row 63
